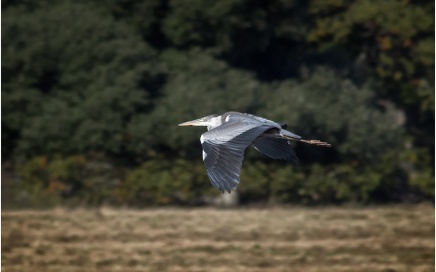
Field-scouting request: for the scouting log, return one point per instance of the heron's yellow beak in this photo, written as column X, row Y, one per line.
column 189, row 123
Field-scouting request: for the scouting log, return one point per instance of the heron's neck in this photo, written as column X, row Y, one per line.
column 214, row 122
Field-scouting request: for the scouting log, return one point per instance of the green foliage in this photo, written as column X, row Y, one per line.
column 394, row 41
column 94, row 180
column 165, row 182
column 347, row 117
column 308, row 185
column 34, row 186
column 74, row 84
column 75, row 179
column 392, row 27
column 262, row 37
column 421, row 178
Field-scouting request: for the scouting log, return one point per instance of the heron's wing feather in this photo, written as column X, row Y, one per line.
column 223, row 151
column 276, row 148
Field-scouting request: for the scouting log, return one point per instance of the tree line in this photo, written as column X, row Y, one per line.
column 92, row 94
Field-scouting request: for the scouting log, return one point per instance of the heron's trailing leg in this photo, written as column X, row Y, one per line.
column 313, row 142
column 316, row 142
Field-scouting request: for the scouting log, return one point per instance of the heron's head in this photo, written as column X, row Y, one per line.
column 203, row 121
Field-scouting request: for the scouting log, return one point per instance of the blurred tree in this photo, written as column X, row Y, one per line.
column 348, row 117
column 143, row 16
column 394, row 39
column 70, row 85
column 262, row 36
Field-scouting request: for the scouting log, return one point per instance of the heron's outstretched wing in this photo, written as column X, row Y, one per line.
column 276, row 148
column 223, row 151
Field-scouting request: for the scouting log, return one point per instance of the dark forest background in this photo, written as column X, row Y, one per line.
column 92, row 92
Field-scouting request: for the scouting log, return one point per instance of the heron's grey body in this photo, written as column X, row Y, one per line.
column 230, row 134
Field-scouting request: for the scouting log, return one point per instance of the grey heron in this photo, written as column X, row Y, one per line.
column 231, row 133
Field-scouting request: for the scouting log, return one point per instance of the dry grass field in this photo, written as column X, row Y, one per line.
column 390, row 238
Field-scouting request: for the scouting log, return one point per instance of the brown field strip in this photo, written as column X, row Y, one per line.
column 390, row 238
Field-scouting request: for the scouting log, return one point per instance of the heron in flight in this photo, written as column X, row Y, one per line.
column 229, row 135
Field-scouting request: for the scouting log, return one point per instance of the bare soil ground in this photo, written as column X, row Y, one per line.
column 389, row 238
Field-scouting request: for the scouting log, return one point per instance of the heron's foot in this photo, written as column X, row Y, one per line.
column 316, row 142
